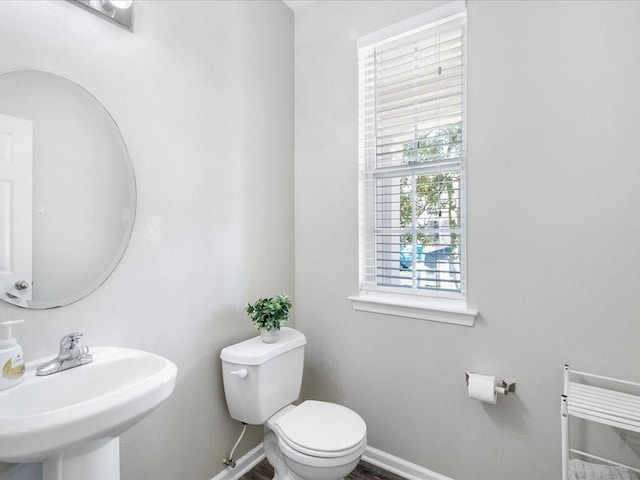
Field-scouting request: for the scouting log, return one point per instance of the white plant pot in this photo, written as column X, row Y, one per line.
column 270, row 336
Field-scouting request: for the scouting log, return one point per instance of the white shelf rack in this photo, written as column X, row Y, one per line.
column 608, row 406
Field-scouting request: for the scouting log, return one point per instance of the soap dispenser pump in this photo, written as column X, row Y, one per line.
column 11, row 360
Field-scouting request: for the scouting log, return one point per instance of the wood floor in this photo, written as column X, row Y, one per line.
column 364, row 471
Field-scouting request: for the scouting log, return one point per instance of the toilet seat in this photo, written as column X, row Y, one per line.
column 322, row 429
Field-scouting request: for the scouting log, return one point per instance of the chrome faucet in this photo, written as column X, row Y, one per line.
column 69, row 356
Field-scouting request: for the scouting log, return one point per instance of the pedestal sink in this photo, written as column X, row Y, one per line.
column 71, row 420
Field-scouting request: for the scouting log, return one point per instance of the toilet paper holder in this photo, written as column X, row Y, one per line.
column 504, row 388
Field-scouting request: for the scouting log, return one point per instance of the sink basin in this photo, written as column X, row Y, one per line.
column 75, row 412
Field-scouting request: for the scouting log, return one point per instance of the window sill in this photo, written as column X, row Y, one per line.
column 444, row 311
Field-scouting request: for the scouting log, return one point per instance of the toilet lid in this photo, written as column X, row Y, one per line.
column 322, row 427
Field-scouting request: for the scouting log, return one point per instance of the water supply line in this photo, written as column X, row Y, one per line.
column 230, row 462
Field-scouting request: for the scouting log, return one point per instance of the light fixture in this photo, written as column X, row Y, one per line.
column 110, row 5
column 116, row 11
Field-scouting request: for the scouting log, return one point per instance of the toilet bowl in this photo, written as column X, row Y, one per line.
column 311, row 441
column 318, row 440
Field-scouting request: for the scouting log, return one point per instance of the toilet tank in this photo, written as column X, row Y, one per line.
column 273, row 375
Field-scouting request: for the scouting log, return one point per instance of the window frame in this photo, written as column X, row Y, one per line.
column 448, row 307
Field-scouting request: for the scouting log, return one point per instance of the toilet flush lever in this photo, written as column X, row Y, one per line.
column 242, row 373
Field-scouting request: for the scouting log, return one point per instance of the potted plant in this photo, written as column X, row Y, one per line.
column 269, row 314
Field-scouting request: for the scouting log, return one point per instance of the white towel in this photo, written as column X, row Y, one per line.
column 579, row 470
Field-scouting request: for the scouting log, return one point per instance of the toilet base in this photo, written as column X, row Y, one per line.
column 275, row 457
column 287, row 468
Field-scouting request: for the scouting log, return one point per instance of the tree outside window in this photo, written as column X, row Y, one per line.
column 430, row 203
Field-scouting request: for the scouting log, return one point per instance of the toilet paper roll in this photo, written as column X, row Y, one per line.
column 483, row 388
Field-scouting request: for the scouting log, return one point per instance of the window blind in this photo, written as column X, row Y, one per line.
column 412, row 158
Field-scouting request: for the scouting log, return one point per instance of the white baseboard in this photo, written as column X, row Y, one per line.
column 401, row 467
column 243, row 464
column 376, row 457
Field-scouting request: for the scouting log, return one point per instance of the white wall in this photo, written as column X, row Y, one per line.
column 554, row 262
column 203, row 95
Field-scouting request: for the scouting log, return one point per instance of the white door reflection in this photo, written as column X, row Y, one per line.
column 16, row 159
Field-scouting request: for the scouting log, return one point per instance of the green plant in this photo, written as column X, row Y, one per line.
column 269, row 313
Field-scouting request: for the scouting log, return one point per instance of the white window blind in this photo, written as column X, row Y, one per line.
column 412, row 158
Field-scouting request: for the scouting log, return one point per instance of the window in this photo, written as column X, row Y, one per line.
column 412, row 154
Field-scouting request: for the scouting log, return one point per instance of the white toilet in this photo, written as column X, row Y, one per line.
column 312, row 441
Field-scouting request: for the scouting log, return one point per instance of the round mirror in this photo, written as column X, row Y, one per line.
column 67, row 191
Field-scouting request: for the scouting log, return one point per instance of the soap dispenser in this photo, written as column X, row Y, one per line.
column 11, row 360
